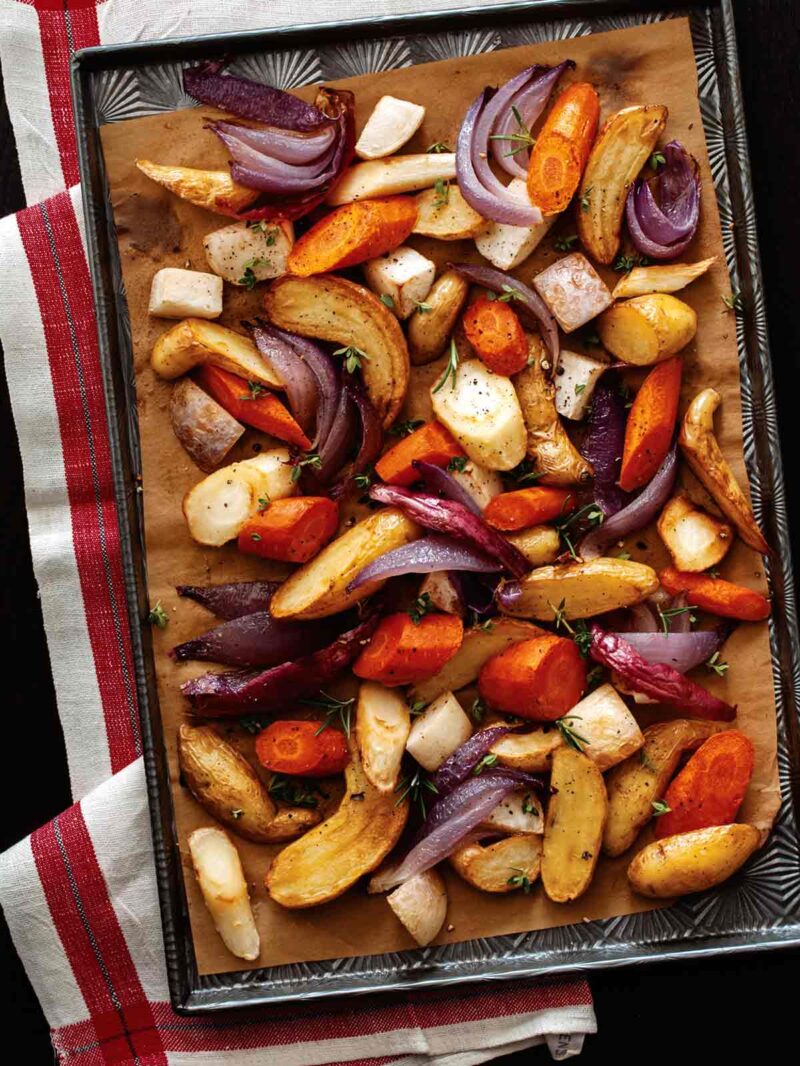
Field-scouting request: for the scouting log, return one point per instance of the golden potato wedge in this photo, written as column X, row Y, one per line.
column 334, row 309
column 331, row 857
column 692, row 862
column 451, row 219
column 573, row 827
column 206, row 430
column 213, row 189
column 383, row 722
column 195, row 341
column 710, row 467
column 224, row 782
column 429, row 330
column 666, row 277
column 695, row 539
column 607, row 730
column 539, row 544
column 477, row 646
column 647, row 329
column 634, row 785
column 622, row 148
column 501, row 867
column 532, row 751
column 556, row 458
column 586, row 589
column 319, row 588
column 219, row 874
column 420, row 904
column 388, row 177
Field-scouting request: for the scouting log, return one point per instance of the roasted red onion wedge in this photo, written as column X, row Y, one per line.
column 299, row 380
column 232, row 600
column 249, row 99
column 602, row 447
column 440, row 481
column 428, row 555
column 663, row 227
column 516, row 108
column 682, row 651
column 255, row 640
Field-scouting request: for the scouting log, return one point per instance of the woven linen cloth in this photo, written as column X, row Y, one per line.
column 79, row 894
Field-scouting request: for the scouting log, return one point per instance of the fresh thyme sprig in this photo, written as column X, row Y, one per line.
column 450, row 370
column 353, row 357
column 519, row 879
column 568, row 734
column 420, row 607
column 413, row 787
column 719, row 666
column 335, row 710
column 659, row 808
column 158, row 616
column 296, row 791
column 310, row 459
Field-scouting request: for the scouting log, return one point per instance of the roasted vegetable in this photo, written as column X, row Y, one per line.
column 300, row 748
column 352, row 842
column 243, row 254
column 577, row 590
column 522, row 508
column 430, row 443
column 334, row 309
column 539, row 544
column 429, row 328
column 255, row 639
column 708, row 464
column 196, row 341
column 219, row 874
column 622, row 147
column 692, row 862
column 573, row 828
column 696, row 540
column 573, row 291
column 670, row 277
column 353, row 234
column 290, row 531
column 540, row 678
column 249, row 404
column 647, row 329
column 520, row 812
column 439, row 731
column 562, row 147
column 205, row 429
column 383, row 722
column 386, row 177
column 420, row 904
column 716, row 595
column 532, row 751
column 213, row 189
column 233, row 599
column 179, row 293
column 401, row 279
column 405, row 649
column 501, row 867
column 650, row 427
column 603, row 728
column 391, row 123
column 446, row 215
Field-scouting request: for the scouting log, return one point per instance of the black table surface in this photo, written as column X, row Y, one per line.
column 631, row 1003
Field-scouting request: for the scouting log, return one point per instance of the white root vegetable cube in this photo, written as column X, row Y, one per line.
column 507, row 246
column 441, row 728
column 573, row 290
column 481, row 483
column 403, row 279
column 607, row 730
column 391, row 124
column 177, row 293
column 442, row 592
column 576, row 377
column 243, row 253
column 519, row 812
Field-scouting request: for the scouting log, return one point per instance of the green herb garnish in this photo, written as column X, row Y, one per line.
column 450, row 370
column 413, row 787
column 295, row 791
column 335, row 709
column 586, row 199
column 719, row 666
column 520, row 141
column 404, row 429
column 568, row 734
column 458, row 464
column 519, row 879
column 483, row 764
column 386, row 300
column 158, row 616
column 438, row 146
column 420, row 607
column 311, row 459
column 565, row 244
column 673, row 612
column 659, row 808
column 353, row 358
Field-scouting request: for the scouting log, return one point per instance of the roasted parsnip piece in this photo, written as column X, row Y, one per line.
column 436, row 733
column 692, row 862
column 213, row 189
column 195, row 341
column 383, row 722
column 556, row 458
column 219, row 874
column 711, row 468
column 578, row 590
column 387, row 177
column 573, row 828
column 695, row 539
column 667, row 277
column 501, row 867
column 420, row 904
column 647, row 329
column 446, row 216
column 619, row 153
column 430, row 326
column 241, row 252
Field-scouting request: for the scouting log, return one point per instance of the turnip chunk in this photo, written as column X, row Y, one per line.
column 246, row 252
column 402, row 279
column 441, row 728
column 507, row 246
column 177, row 293
column 573, row 290
column 606, row 730
column 420, row 904
column 391, row 124
column 576, row 377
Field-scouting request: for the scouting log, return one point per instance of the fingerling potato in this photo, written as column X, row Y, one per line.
column 430, row 326
column 196, row 341
column 219, row 874
column 692, row 862
column 204, row 428
column 448, row 218
column 383, row 721
column 647, row 329
column 578, row 590
column 573, row 827
column 532, row 751
column 507, row 865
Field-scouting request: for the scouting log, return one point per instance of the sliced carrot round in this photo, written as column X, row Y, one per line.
column 495, row 332
column 402, row 652
column 299, row 747
column 541, row 678
column 522, row 508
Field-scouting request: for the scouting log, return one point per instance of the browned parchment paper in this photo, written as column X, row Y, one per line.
column 649, row 64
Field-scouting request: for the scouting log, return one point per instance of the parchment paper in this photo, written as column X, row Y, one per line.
column 648, row 64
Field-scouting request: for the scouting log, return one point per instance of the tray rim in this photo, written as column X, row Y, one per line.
column 187, row 996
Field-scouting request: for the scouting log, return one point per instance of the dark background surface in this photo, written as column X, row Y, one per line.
column 659, row 1012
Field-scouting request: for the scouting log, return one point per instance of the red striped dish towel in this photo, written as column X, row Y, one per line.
column 79, row 895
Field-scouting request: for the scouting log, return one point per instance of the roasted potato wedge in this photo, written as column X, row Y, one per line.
column 573, row 827
column 420, row 904
column 608, row 731
column 319, row 588
column 692, row 862
column 622, row 148
column 263, row 250
column 206, row 430
column 557, row 459
column 695, row 539
column 383, row 722
column 451, row 219
column 710, row 467
column 429, row 331
column 195, row 341
column 500, row 867
column 477, row 646
column 634, row 785
column 338, row 310
column 539, row 544
column 586, row 589
column 331, row 857
column 213, row 189
column 647, row 329
column 666, row 277
column 388, row 177
column 436, row 733
column 532, row 751
column 226, row 785
column 219, row 874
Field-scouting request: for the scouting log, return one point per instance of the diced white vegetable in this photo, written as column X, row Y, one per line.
column 442, row 592
column 573, row 290
column 177, row 293
column 441, row 728
column 262, row 248
column 519, row 812
column 481, row 483
column 388, row 177
column 607, row 731
column 383, row 721
column 219, row 873
column 391, row 124
column 421, row 905
column 482, row 412
column 695, row 539
column 403, row 277
column 507, row 246
column 576, row 377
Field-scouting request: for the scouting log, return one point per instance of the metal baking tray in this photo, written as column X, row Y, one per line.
column 757, row 910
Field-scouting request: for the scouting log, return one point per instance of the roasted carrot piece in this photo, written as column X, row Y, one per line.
column 495, row 332
column 291, row 530
column 431, row 443
column 310, row 748
column 352, row 234
column 402, row 651
column 540, row 678
column 717, row 596
column 709, row 790
column 562, row 148
column 528, row 507
column 253, row 405
column 651, row 424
